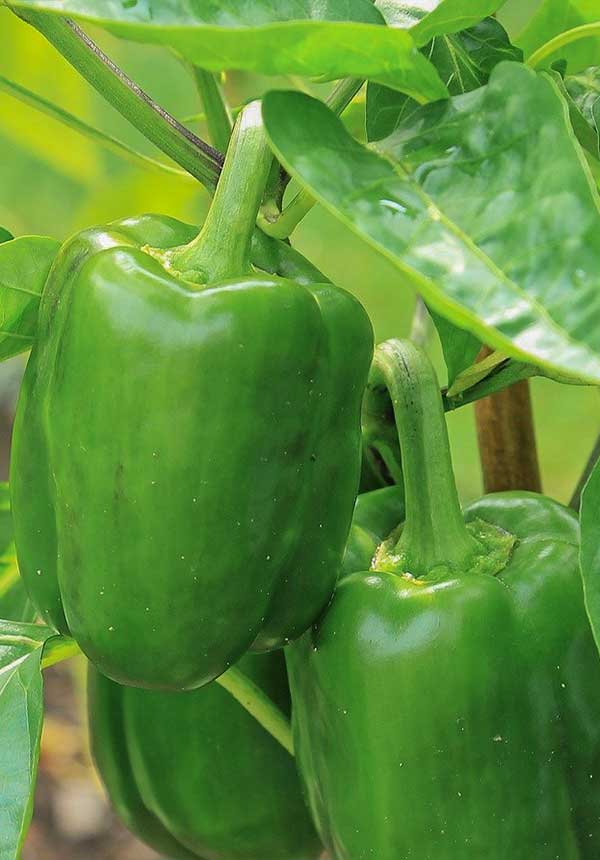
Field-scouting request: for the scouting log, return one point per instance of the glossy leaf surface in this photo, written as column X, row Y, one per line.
column 429, row 18
column 24, row 266
column 464, row 61
column 471, row 213
column 333, row 39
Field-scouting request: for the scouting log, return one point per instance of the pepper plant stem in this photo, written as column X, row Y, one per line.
column 434, row 531
column 222, row 248
column 506, row 436
column 175, row 140
column 585, row 31
column 216, row 109
column 246, row 692
column 260, row 706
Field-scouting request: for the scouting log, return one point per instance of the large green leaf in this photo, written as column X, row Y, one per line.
column 21, row 715
column 332, row 39
column 554, row 17
column 464, row 62
column 429, row 18
column 24, row 267
column 589, row 558
column 498, row 237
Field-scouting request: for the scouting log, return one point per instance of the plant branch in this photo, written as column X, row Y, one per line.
column 189, row 151
column 216, row 109
column 585, row 31
column 506, row 435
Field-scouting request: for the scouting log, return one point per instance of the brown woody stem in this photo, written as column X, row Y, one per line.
column 506, row 435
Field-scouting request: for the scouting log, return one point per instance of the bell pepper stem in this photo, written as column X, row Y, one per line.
column 258, row 705
column 243, row 689
column 434, row 532
column 222, row 248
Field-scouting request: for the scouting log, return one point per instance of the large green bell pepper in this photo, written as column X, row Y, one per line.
column 447, row 705
column 194, row 775
column 186, row 447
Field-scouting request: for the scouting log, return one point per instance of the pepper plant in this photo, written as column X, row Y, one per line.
column 299, row 644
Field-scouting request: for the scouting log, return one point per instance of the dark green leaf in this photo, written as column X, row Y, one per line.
column 21, row 714
column 5, row 236
column 336, row 39
column 554, row 17
column 584, row 131
column 24, row 267
column 427, row 19
column 464, row 62
column 584, row 89
column 589, row 557
column 459, row 346
column 474, row 214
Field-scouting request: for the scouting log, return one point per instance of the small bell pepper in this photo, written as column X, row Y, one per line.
column 194, row 775
column 186, row 450
column 447, row 704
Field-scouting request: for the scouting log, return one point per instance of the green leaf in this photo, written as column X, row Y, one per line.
column 24, row 267
column 85, row 129
column 21, row 715
column 427, row 19
column 341, row 38
column 464, row 62
column 584, row 131
column 459, row 346
column 14, row 601
column 5, row 236
column 584, row 89
column 589, row 556
column 499, row 239
column 554, row 17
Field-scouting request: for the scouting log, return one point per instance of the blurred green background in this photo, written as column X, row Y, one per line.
column 54, row 181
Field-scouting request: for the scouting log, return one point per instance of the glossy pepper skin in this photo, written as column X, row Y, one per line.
column 457, row 692
column 185, row 456
column 194, row 775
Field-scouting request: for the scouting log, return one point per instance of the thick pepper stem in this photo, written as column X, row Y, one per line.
column 222, row 248
column 434, row 532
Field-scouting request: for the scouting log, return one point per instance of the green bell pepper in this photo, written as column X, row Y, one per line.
column 187, row 443
column 447, row 705
column 194, row 775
